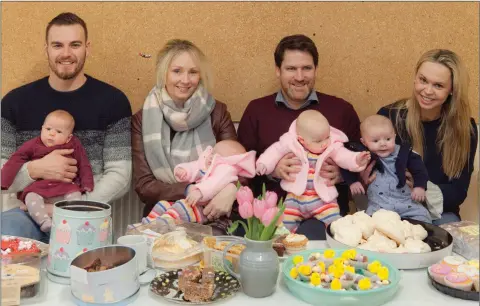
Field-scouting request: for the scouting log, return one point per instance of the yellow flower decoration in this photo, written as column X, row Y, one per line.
column 383, row 273
column 297, row 259
column 329, row 253
column 315, row 279
column 335, row 284
column 294, row 273
column 321, row 264
column 350, row 269
column 305, row 270
column 374, row 266
column 364, row 284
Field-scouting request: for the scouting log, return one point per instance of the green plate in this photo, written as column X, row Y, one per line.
column 326, row 297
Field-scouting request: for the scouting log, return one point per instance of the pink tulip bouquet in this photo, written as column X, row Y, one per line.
column 263, row 215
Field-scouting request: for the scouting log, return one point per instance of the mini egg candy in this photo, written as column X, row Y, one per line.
column 374, row 266
column 383, row 273
column 364, row 284
column 335, row 284
column 297, row 259
column 294, row 273
column 329, row 253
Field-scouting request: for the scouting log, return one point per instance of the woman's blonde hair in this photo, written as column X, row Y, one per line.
column 176, row 47
column 454, row 133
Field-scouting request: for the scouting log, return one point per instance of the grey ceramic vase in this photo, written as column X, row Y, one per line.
column 258, row 268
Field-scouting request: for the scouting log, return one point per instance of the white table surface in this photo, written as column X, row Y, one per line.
column 415, row 289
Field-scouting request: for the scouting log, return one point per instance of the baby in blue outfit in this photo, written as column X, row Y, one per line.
column 389, row 189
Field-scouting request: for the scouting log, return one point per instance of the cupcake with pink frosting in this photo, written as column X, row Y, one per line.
column 63, row 232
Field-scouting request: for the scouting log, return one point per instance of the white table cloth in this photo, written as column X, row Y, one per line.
column 415, row 289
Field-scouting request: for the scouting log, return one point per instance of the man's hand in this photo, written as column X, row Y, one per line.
column 365, row 177
column 357, row 188
column 418, row 194
column 331, row 172
column 409, row 178
column 54, row 166
column 221, row 204
column 194, row 195
column 287, row 167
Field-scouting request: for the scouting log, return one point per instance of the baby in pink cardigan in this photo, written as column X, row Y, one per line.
column 312, row 140
column 214, row 170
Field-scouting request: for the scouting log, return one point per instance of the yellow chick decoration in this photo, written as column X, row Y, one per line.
column 335, row 284
column 294, row 273
column 305, row 270
column 338, row 262
column 383, row 273
column 315, row 279
column 374, row 266
column 297, row 259
column 321, row 264
column 350, row 269
column 329, row 253
column 349, row 254
column 364, row 284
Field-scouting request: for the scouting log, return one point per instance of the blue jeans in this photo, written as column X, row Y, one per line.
column 16, row 222
column 447, row 217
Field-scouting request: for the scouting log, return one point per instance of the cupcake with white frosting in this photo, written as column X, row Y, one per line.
column 295, row 243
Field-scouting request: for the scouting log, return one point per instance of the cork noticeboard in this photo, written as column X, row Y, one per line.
column 367, row 50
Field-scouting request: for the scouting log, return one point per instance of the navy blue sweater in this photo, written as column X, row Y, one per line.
column 454, row 191
column 406, row 159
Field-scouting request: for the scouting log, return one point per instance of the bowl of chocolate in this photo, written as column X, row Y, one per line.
column 105, row 275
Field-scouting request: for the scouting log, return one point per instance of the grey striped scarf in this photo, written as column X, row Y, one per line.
column 193, row 129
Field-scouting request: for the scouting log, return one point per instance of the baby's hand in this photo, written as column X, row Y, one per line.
column 261, row 169
column 418, row 194
column 180, row 174
column 357, row 188
column 363, row 158
column 193, row 197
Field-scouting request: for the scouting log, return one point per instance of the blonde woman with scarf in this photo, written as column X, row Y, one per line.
column 436, row 121
column 178, row 121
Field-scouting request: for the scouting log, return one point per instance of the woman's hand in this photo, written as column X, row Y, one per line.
column 221, row 204
column 331, row 172
column 365, row 177
column 287, row 167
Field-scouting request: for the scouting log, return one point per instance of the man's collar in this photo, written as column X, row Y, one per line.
column 311, row 99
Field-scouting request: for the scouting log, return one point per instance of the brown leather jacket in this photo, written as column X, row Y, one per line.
column 149, row 189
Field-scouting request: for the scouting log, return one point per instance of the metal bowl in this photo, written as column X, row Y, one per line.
column 439, row 240
column 108, row 286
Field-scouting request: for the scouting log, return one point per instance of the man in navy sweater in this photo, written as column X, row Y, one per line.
column 102, row 123
column 266, row 119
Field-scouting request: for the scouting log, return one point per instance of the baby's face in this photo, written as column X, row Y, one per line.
column 379, row 140
column 317, row 141
column 56, row 131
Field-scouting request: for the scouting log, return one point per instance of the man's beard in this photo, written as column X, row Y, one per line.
column 67, row 75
